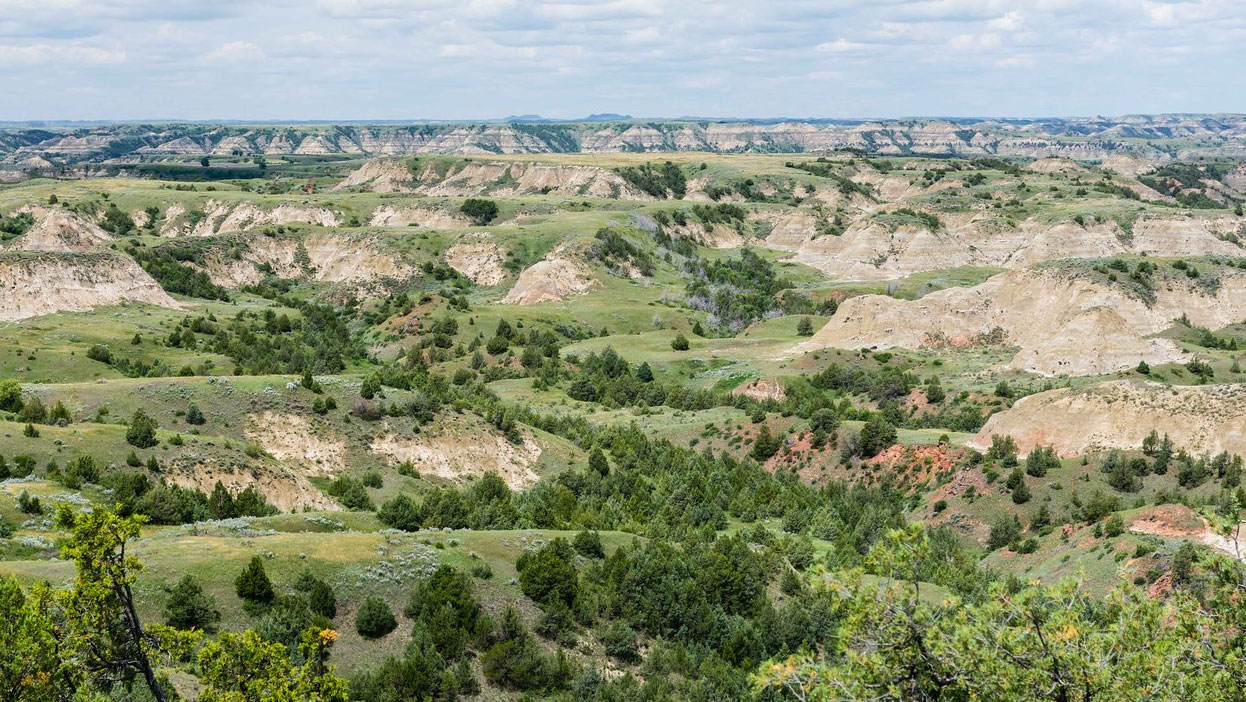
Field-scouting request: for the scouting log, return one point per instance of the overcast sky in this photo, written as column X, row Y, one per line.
column 465, row 59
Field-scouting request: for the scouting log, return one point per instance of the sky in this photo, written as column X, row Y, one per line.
column 482, row 59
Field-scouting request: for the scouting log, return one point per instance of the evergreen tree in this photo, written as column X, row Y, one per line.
column 142, row 430
column 597, row 461
column 194, row 416
column 374, row 619
column 253, row 585
column 189, row 607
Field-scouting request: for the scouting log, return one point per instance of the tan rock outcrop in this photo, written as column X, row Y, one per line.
column 1120, row 414
column 32, row 285
column 1063, row 323
column 555, row 278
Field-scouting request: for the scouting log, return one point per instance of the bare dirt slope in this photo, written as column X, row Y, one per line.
column 324, row 257
column 37, row 284
column 460, row 448
column 558, row 277
column 1063, row 322
column 58, row 229
column 870, row 250
column 424, row 216
column 1120, row 414
column 218, row 217
column 479, row 260
column 499, row 178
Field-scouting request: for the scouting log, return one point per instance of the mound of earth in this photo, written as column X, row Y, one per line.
column 283, row 488
column 431, row 217
column 555, row 278
column 716, row 236
column 58, row 229
column 290, row 437
column 225, row 217
column 1064, row 323
column 869, row 250
column 1127, row 164
column 329, row 258
column 762, row 389
column 479, row 261
column 45, row 283
column 1120, row 414
column 459, row 448
column 1055, row 165
column 382, row 175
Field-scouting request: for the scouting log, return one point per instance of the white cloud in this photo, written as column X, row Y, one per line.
column 38, row 54
column 235, row 52
column 482, row 58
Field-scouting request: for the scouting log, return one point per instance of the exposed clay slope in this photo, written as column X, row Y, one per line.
column 329, row 258
column 1064, row 323
column 289, row 437
column 479, row 261
column 508, row 179
column 869, row 250
column 499, row 178
column 382, row 175
column 555, row 278
column 58, row 229
column 432, row 217
column 1120, row 414
column 45, row 283
column 228, row 217
column 284, row 488
column 459, row 448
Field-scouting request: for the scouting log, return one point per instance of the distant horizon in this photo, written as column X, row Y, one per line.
column 603, row 118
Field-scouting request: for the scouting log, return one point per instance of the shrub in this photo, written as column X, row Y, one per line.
column 679, row 343
column 1004, row 531
column 142, row 430
column 401, row 512
column 253, row 585
column 876, row 435
column 374, row 619
column 1040, row 460
column 194, row 415
column 619, row 641
column 189, row 607
column 588, row 544
column 480, row 210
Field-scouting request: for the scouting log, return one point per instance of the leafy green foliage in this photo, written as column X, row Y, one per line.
column 374, row 619
column 666, row 180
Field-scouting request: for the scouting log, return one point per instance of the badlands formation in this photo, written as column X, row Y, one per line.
column 1064, row 323
column 1120, row 414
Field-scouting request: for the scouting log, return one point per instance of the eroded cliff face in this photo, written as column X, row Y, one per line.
column 324, row 257
column 558, row 277
column 36, row 284
column 1123, row 142
column 229, row 217
column 1120, row 414
column 496, row 178
column 868, row 250
column 58, row 229
column 1064, row 324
